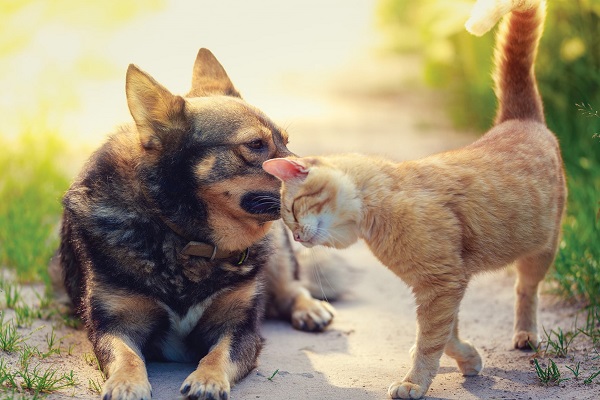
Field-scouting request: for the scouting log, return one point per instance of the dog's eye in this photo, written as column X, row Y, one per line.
column 257, row 144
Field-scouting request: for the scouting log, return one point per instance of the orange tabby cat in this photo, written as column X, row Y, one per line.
column 439, row 220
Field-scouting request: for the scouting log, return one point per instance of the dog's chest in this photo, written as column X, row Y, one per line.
column 173, row 346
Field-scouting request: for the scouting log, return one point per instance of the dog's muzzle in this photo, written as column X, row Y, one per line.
column 265, row 204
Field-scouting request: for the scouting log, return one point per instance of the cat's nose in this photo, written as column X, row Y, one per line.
column 297, row 237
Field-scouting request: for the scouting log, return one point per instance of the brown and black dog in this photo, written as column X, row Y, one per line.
column 167, row 246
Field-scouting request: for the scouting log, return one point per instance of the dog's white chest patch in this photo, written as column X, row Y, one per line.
column 174, row 348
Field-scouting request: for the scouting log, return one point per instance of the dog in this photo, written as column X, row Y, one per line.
column 169, row 250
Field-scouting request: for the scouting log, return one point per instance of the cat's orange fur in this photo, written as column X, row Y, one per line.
column 439, row 220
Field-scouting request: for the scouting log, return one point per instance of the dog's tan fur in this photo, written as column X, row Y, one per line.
column 188, row 170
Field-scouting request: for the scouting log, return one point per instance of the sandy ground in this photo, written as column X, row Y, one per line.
column 366, row 348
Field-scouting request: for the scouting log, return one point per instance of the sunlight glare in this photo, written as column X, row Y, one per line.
column 69, row 75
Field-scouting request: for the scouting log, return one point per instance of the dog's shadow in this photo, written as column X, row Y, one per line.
column 285, row 369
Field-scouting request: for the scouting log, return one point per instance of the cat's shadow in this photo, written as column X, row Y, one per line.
column 482, row 385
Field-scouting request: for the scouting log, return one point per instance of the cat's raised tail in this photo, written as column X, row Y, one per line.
column 516, row 49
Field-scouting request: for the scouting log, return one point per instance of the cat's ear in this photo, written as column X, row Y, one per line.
column 286, row 169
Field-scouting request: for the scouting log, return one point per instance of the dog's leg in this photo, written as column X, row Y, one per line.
column 119, row 323
column 232, row 358
column 124, row 364
column 288, row 298
column 230, row 327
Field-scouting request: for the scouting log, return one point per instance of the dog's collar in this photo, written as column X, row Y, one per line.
column 200, row 249
column 211, row 252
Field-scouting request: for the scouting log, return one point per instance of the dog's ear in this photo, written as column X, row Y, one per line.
column 156, row 112
column 209, row 77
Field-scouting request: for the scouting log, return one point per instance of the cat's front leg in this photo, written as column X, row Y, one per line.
column 437, row 308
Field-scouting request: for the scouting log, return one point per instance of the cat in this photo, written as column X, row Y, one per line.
column 437, row 221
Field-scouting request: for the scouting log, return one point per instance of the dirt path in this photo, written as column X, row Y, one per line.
column 367, row 347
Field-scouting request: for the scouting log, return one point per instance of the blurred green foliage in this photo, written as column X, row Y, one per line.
column 31, row 185
column 568, row 72
column 38, row 89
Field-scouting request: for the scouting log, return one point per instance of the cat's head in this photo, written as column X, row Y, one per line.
column 319, row 203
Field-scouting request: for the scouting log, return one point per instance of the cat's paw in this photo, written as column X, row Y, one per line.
column 526, row 340
column 311, row 315
column 471, row 365
column 126, row 387
column 406, row 390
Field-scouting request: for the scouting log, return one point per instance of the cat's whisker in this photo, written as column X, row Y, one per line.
column 315, row 270
column 328, row 235
column 322, row 276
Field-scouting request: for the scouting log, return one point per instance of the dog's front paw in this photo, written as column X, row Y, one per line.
column 310, row 314
column 525, row 340
column 120, row 387
column 406, row 390
column 206, row 385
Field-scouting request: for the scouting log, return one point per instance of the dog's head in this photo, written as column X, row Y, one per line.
column 201, row 155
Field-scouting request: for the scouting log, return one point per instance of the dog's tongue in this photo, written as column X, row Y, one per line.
column 265, row 203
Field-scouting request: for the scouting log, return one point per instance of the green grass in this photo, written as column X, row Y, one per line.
column 35, row 379
column 575, row 370
column 12, row 295
column 548, row 375
column 28, row 373
column 10, row 339
column 561, row 344
column 558, row 342
column 273, row 376
column 92, row 360
column 31, row 185
column 44, row 380
column 24, row 316
column 28, row 377
column 591, row 378
column 95, row 386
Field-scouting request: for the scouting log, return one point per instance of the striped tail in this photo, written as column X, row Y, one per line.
column 516, row 48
